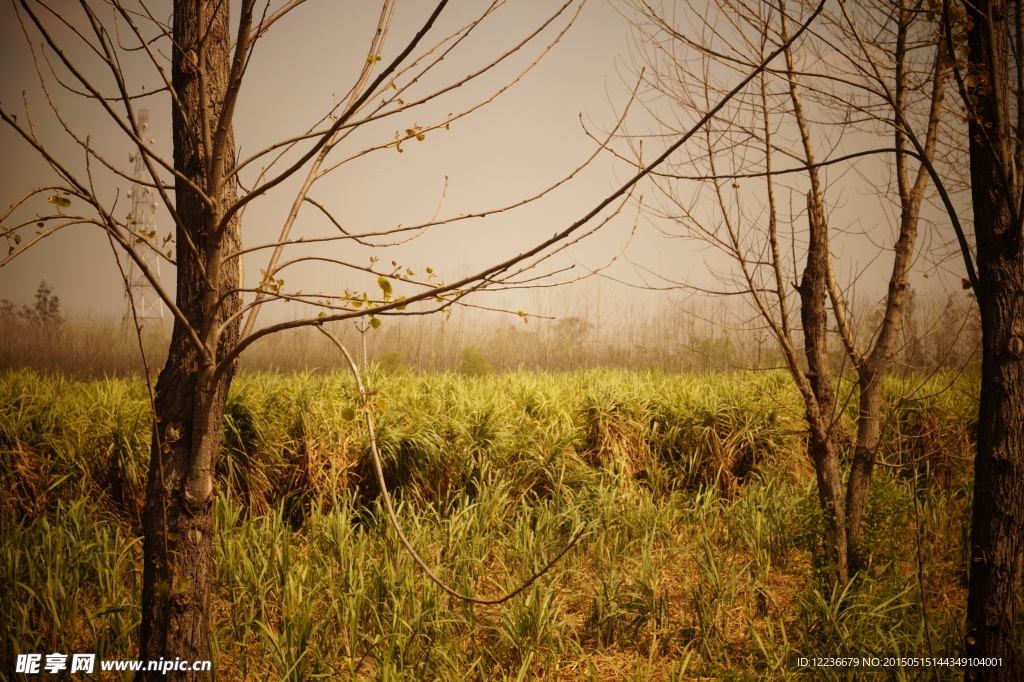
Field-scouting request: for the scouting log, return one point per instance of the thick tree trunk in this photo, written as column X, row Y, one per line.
column 178, row 519
column 830, row 495
column 821, row 410
column 997, row 526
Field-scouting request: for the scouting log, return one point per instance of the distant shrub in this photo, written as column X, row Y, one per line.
column 45, row 312
column 393, row 362
column 473, row 363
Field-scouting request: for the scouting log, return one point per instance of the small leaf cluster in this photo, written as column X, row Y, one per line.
column 960, row 24
column 59, row 201
column 268, row 284
column 957, row 55
column 362, row 300
column 143, row 235
column 11, row 235
column 416, row 131
column 370, row 406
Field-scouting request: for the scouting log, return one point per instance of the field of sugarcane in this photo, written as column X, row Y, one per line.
column 701, row 556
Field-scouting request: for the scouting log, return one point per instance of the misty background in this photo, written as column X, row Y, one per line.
column 631, row 312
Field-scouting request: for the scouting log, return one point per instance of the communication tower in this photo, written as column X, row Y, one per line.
column 142, row 224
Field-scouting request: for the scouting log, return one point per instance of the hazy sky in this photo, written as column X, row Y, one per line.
column 508, row 150
column 512, row 148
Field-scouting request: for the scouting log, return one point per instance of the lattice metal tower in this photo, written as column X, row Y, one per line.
column 142, row 223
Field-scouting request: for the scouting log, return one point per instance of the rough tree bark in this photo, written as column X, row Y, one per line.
column 997, row 525
column 178, row 519
column 820, row 412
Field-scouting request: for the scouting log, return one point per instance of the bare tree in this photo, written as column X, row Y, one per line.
column 789, row 114
column 982, row 45
column 206, row 188
column 907, row 36
column 988, row 39
column 985, row 43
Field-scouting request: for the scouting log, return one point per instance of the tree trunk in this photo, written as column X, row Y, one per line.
column 997, row 526
column 178, row 519
column 872, row 369
column 858, row 490
column 821, row 410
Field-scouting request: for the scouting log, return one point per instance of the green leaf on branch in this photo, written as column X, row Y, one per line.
column 59, row 202
column 375, row 323
column 384, row 285
column 348, row 414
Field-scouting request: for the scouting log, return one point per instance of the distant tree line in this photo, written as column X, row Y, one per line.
column 44, row 312
column 941, row 333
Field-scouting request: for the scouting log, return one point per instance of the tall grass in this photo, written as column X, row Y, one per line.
column 700, row 559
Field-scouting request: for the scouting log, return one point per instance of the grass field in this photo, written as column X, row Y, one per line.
column 701, row 558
